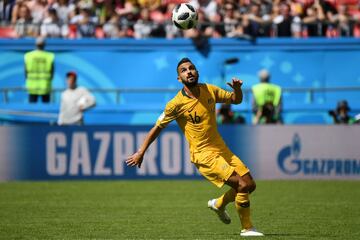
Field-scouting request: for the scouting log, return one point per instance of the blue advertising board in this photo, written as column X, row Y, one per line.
column 99, row 152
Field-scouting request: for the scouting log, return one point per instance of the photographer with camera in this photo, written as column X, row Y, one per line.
column 226, row 116
column 341, row 114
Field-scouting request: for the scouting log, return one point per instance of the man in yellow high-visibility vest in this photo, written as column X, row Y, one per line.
column 266, row 100
column 39, row 72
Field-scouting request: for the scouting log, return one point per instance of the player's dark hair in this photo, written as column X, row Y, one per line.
column 183, row 60
column 73, row 74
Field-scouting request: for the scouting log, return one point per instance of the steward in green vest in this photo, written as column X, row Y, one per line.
column 267, row 100
column 39, row 71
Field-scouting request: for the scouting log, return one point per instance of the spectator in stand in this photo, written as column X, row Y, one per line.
column 231, row 19
column 216, row 29
column 143, row 26
column 356, row 11
column 112, row 28
column 285, row 24
column 23, row 23
column 38, row 10
column 15, row 12
column 103, row 10
column 275, row 11
column 75, row 101
column 329, row 8
column 85, row 4
column 193, row 33
column 329, row 11
column 2, row 10
column 63, row 9
column 159, row 14
column 125, row 7
column 296, row 8
column 7, row 9
column 341, row 114
column 342, row 21
column 217, row 18
column 266, row 100
column 314, row 21
column 86, row 27
column 265, row 8
column 52, row 27
column 257, row 25
column 203, row 21
column 356, row 21
column 242, row 6
column 209, row 7
column 39, row 72
column 74, row 15
column 149, row 4
column 238, row 31
column 127, row 11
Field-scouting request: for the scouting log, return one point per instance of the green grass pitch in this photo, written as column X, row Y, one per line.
column 174, row 210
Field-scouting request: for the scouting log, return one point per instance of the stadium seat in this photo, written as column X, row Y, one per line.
column 7, row 32
column 99, row 32
column 356, row 31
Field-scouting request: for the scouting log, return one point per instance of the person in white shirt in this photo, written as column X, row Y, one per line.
column 74, row 101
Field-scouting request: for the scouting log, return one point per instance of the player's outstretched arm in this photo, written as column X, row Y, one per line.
column 137, row 158
column 236, row 84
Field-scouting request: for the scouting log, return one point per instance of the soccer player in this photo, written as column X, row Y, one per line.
column 194, row 110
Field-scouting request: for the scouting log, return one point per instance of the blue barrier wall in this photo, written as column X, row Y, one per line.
column 151, row 63
column 270, row 152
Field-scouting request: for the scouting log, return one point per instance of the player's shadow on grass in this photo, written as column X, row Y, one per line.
column 284, row 234
column 305, row 235
column 281, row 234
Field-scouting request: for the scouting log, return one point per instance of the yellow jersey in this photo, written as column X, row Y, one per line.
column 197, row 118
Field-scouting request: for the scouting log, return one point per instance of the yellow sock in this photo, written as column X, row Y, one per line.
column 242, row 205
column 226, row 198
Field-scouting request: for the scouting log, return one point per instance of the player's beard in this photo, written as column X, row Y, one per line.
column 191, row 84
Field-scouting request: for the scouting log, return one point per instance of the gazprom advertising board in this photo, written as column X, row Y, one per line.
column 320, row 152
column 99, row 152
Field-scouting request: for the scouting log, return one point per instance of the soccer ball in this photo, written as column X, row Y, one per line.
column 184, row 16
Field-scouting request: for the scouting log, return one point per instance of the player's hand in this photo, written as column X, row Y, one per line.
column 236, row 83
column 135, row 160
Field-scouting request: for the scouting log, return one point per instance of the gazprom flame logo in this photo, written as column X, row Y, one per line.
column 289, row 162
column 296, row 146
column 290, row 166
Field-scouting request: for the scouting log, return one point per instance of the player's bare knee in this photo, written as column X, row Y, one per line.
column 243, row 187
column 252, row 186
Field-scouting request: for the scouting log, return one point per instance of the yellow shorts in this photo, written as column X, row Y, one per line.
column 217, row 167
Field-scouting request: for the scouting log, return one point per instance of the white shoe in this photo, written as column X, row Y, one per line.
column 222, row 214
column 252, row 232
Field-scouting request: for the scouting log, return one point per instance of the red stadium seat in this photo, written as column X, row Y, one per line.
column 356, row 31
column 332, row 33
column 347, row 2
column 72, row 31
column 99, row 32
column 7, row 32
column 305, row 33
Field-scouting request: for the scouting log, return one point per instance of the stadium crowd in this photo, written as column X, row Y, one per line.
column 152, row 18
